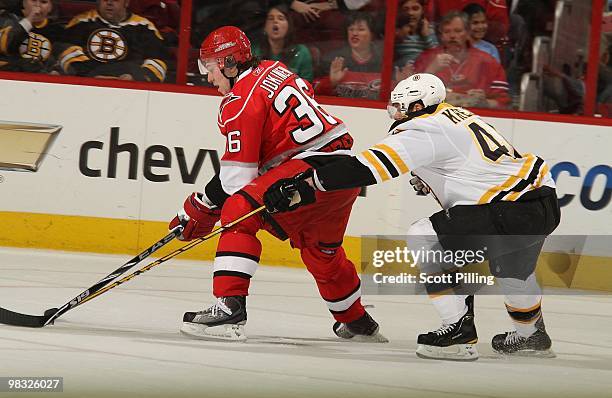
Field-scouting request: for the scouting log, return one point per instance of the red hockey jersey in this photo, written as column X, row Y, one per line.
column 495, row 10
column 269, row 116
column 478, row 71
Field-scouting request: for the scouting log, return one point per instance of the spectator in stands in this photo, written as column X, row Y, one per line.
column 278, row 43
column 165, row 15
column 472, row 77
column 477, row 20
column 354, row 71
column 27, row 39
column 496, row 11
column 566, row 91
column 111, row 42
column 414, row 34
column 326, row 33
column 604, row 77
column 208, row 15
column 11, row 6
column 248, row 15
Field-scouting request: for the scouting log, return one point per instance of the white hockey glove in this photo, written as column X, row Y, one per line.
column 419, row 185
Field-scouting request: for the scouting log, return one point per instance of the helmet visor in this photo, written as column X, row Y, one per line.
column 207, row 66
column 395, row 110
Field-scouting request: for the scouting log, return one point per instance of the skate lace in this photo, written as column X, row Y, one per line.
column 513, row 338
column 218, row 306
column 445, row 328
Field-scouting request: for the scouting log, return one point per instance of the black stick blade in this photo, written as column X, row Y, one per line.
column 17, row 319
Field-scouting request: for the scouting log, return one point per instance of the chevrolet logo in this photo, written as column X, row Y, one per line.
column 23, row 146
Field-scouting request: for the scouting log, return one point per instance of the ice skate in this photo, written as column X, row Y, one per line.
column 536, row 345
column 224, row 320
column 454, row 342
column 364, row 329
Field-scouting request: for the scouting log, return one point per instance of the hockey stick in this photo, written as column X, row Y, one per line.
column 175, row 253
column 14, row 318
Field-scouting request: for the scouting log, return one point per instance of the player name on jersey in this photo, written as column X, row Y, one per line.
column 274, row 80
column 457, row 115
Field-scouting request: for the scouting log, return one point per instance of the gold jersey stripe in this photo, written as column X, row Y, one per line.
column 530, row 321
column 394, row 156
column 440, row 108
column 155, row 71
column 543, row 172
column 75, row 49
column 441, row 293
column 80, row 58
column 4, row 39
column 374, row 162
column 529, row 160
column 515, row 195
column 514, row 309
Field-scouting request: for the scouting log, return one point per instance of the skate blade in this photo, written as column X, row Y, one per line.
column 529, row 354
column 375, row 338
column 214, row 333
column 457, row 352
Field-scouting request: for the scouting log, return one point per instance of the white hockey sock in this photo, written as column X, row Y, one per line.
column 523, row 303
column 450, row 307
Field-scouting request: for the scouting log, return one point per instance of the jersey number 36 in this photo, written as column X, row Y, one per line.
column 305, row 109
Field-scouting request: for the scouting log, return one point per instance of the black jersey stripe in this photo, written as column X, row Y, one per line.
column 237, row 254
column 523, row 183
column 237, row 274
column 386, row 162
column 337, row 300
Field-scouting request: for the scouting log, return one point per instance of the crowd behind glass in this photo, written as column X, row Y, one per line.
column 480, row 48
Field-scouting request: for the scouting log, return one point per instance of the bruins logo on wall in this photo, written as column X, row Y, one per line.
column 35, row 47
column 106, row 45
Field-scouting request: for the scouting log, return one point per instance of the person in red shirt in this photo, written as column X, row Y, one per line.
column 495, row 10
column 354, row 70
column 472, row 77
column 274, row 129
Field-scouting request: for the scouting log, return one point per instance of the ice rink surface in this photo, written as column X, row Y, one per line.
column 126, row 342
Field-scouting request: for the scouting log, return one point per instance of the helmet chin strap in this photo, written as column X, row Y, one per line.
column 230, row 63
column 232, row 79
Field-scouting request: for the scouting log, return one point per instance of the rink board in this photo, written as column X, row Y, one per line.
column 125, row 159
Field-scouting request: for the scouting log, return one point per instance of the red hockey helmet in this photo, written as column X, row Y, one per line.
column 226, row 46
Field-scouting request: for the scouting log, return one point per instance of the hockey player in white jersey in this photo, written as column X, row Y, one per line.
column 485, row 187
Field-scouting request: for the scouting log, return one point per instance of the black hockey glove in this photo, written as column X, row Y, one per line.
column 289, row 193
column 418, row 185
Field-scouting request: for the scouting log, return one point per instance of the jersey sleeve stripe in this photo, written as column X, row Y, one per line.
column 394, row 156
column 386, row 162
column 4, row 39
column 529, row 158
column 523, row 183
column 543, row 172
column 157, row 67
column 526, row 166
column 377, row 166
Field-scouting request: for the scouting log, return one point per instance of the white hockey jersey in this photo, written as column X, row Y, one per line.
column 464, row 160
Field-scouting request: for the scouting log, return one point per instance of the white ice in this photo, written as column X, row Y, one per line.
column 126, row 342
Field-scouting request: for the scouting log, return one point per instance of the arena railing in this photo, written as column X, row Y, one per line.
column 184, row 47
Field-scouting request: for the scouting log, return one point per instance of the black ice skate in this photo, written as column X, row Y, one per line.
column 364, row 329
column 536, row 345
column 224, row 320
column 455, row 342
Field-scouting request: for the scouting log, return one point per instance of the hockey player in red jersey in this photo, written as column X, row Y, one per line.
column 274, row 129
